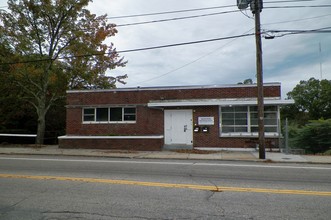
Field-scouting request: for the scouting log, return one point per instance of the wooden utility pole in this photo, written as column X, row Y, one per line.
column 256, row 7
column 259, row 76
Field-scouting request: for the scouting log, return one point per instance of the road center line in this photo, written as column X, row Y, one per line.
column 167, row 163
column 171, row 185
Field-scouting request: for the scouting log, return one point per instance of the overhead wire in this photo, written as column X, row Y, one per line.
column 170, row 12
column 136, row 50
column 216, row 13
column 178, row 44
column 288, row 1
column 297, row 6
column 292, row 32
column 196, row 9
column 319, row 30
column 191, row 62
column 176, row 18
column 295, row 20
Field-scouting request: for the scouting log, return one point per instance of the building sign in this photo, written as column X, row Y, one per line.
column 205, row 120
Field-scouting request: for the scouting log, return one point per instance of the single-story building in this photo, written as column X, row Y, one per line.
column 156, row 118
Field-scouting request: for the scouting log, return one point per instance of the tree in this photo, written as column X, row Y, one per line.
column 315, row 136
column 57, row 43
column 312, row 97
column 246, row 82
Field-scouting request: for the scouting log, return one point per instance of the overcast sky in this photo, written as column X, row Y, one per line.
column 287, row 59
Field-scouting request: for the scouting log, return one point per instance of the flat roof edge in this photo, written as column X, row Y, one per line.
column 218, row 86
column 213, row 102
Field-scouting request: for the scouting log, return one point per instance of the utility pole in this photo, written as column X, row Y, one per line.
column 259, row 76
column 256, row 7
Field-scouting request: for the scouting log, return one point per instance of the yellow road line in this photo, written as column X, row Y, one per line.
column 171, row 185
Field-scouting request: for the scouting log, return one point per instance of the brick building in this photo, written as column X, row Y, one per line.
column 154, row 118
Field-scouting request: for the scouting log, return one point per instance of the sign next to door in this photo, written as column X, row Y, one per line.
column 205, row 120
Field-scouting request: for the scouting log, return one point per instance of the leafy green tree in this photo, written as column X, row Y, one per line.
column 314, row 137
column 312, row 97
column 246, row 82
column 56, row 45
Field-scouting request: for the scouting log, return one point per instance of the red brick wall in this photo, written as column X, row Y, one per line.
column 213, row 139
column 113, row 144
column 210, row 139
column 150, row 121
column 144, row 96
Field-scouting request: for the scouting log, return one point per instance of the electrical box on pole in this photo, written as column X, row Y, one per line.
column 243, row 4
column 259, row 6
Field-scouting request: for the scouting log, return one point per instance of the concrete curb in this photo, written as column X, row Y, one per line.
column 271, row 157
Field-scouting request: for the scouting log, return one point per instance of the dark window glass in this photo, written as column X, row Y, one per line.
column 270, row 129
column 102, row 114
column 129, row 110
column 88, row 114
column 129, row 114
column 227, row 129
column 240, row 109
column 115, row 114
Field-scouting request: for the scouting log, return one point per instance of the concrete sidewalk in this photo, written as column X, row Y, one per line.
column 218, row 155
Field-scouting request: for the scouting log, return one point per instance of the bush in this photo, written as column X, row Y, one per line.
column 314, row 137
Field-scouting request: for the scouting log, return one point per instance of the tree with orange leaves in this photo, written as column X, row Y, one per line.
column 57, row 44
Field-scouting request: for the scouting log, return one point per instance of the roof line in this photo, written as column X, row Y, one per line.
column 130, row 89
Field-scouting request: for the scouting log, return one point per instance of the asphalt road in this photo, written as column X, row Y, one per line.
column 40, row 187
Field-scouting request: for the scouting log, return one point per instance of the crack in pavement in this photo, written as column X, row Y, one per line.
column 107, row 216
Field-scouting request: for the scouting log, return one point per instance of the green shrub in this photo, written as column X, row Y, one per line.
column 315, row 137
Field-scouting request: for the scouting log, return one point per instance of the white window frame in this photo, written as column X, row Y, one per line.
column 249, row 125
column 108, row 121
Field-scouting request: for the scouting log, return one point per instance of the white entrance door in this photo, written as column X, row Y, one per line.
column 178, row 127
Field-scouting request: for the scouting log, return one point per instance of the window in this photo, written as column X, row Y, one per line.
column 89, row 114
column 244, row 119
column 270, row 119
column 129, row 114
column 116, row 114
column 102, row 114
column 234, row 119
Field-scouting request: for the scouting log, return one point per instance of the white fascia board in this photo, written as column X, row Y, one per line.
column 220, row 102
column 18, row 135
column 66, row 137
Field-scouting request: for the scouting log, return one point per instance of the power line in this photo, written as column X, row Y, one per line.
column 288, row 1
column 178, row 18
column 136, row 50
column 195, row 9
column 170, row 12
column 320, row 30
column 301, row 31
column 298, row 6
column 211, row 14
column 186, row 43
column 292, row 32
column 301, row 19
column 191, row 62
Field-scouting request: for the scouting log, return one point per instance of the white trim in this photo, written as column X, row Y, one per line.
column 130, row 89
column 107, row 122
column 249, row 134
column 249, row 149
column 66, row 137
column 220, row 102
column 18, row 135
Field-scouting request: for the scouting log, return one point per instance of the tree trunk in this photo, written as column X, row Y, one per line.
column 41, row 129
column 41, row 112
